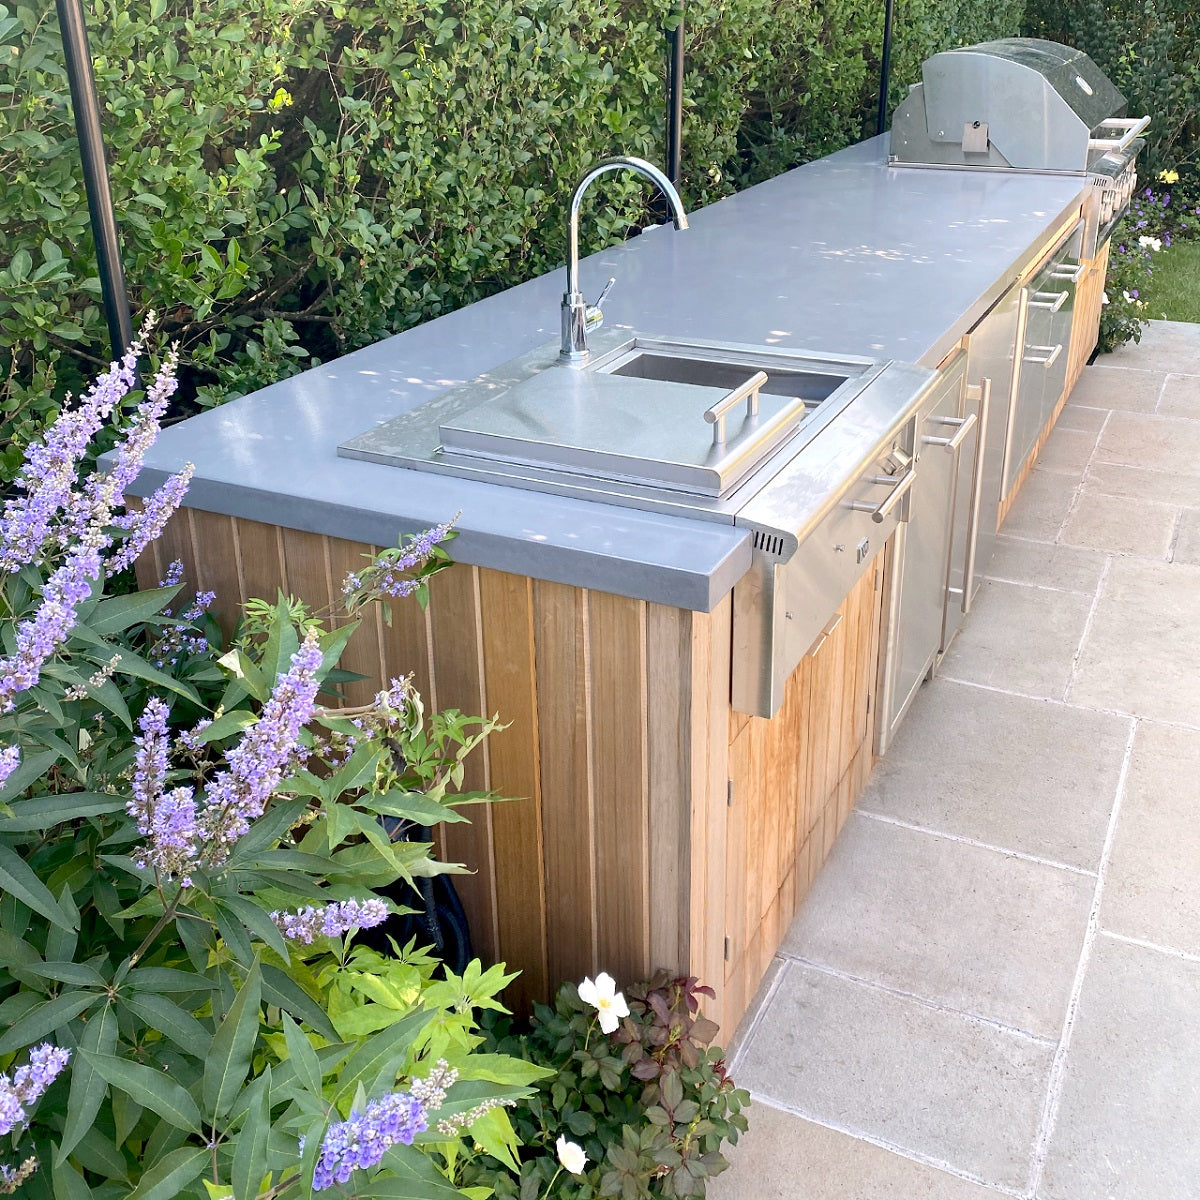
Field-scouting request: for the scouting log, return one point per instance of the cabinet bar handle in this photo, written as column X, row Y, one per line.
column 1052, row 351
column 1051, row 305
column 985, row 399
column 900, row 486
column 964, row 424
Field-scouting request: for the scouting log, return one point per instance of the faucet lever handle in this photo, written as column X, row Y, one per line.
column 594, row 315
column 608, row 287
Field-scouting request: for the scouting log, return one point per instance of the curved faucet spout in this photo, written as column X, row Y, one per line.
column 577, row 317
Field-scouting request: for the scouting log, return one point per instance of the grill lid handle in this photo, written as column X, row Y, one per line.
column 1132, row 126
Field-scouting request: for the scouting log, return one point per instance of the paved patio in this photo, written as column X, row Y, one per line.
column 993, row 988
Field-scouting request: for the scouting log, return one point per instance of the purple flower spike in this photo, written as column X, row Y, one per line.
column 332, row 920
column 51, row 466
column 144, row 526
column 26, row 1084
column 362, row 1140
column 39, row 636
column 268, row 751
column 10, row 759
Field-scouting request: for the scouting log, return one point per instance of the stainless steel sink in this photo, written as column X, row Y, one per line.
column 675, row 363
column 657, row 423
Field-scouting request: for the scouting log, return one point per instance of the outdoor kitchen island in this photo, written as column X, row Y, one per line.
column 655, row 825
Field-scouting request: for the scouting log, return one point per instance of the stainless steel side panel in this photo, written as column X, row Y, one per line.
column 815, row 532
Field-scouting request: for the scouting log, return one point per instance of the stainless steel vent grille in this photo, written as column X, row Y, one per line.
column 769, row 543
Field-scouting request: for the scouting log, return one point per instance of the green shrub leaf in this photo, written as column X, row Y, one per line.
column 228, row 1063
column 151, row 1089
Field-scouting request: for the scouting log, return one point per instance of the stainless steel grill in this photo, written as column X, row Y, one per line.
column 1027, row 105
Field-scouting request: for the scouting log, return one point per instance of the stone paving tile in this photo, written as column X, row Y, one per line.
column 1029, row 775
column 1180, row 397
column 930, row 1082
column 1142, row 653
column 1041, row 505
column 1021, row 639
column 1068, row 451
column 1069, row 568
column 785, row 1157
column 1162, row 487
column 1126, row 1127
column 1172, row 346
column 1160, row 443
column 1077, row 416
column 1187, row 540
column 934, row 916
column 1117, row 388
column 1120, row 524
column 1152, row 890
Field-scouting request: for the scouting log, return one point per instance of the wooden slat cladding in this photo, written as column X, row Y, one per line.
column 794, row 780
column 619, row 849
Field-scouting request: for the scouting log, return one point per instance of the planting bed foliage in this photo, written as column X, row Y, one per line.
column 296, row 178
column 191, row 835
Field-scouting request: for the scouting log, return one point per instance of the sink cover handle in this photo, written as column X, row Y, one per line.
column 747, row 391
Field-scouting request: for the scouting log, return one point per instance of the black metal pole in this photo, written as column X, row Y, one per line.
column 885, row 67
column 675, row 95
column 86, row 106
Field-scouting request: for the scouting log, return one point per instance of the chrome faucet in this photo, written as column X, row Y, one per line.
column 577, row 315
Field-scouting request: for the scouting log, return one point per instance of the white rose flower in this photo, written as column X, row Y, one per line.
column 571, row 1155
column 605, row 999
column 1150, row 243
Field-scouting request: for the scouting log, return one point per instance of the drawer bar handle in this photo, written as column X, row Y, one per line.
column 1070, row 274
column 900, row 486
column 747, row 391
column 1052, row 351
column 1051, row 305
column 964, row 424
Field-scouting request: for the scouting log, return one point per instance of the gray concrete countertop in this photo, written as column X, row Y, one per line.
column 842, row 256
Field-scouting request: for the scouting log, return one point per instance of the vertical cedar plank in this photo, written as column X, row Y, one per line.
column 506, row 606
column 617, row 652
column 307, row 568
column 260, row 560
column 669, row 755
column 362, row 653
column 216, row 564
column 711, row 648
column 406, row 647
column 457, row 653
column 567, row 819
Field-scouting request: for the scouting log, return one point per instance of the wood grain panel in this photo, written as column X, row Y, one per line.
column 560, row 639
column 261, row 571
column 216, row 564
column 506, row 607
column 458, row 654
column 669, row 756
column 617, row 654
column 306, row 561
column 362, row 653
column 712, row 640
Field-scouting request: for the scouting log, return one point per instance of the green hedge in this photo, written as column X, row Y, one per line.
column 295, row 178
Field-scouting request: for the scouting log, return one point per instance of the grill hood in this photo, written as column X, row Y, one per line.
column 1020, row 103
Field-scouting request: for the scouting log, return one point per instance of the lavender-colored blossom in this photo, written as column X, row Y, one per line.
column 331, row 920
column 40, row 635
column 362, row 1140
column 143, row 526
column 104, row 490
column 167, row 820
column 174, row 574
column 26, row 1085
column 384, row 574
column 48, row 476
column 268, row 750
column 10, row 758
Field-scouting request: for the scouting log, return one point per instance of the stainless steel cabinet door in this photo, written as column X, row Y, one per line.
column 917, row 590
